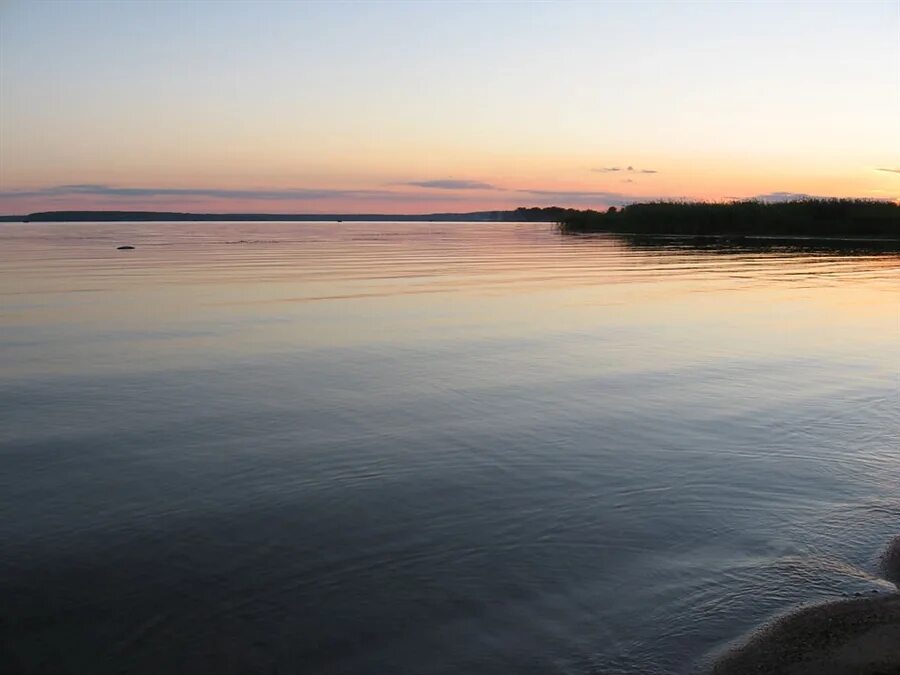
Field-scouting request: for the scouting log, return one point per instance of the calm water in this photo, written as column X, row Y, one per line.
column 430, row 447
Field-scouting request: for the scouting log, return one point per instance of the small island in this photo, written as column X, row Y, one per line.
column 818, row 218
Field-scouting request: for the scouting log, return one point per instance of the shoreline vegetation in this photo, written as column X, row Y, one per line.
column 804, row 218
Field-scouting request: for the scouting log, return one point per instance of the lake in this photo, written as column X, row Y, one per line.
column 431, row 447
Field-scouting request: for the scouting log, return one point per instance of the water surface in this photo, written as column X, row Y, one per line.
column 430, row 447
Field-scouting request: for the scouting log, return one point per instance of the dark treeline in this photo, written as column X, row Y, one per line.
column 547, row 215
column 800, row 218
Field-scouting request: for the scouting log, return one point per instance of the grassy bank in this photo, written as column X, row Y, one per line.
column 839, row 218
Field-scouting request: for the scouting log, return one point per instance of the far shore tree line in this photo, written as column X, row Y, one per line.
column 801, row 218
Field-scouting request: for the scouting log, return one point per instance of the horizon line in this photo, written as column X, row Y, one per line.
column 772, row 197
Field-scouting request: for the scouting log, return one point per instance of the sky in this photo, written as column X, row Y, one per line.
column 418, row 107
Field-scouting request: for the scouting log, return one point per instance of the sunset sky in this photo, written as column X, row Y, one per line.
column 442, row 106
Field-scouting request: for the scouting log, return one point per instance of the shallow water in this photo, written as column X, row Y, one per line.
column 430, row 447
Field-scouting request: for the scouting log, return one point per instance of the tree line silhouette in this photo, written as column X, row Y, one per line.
column 800, row 218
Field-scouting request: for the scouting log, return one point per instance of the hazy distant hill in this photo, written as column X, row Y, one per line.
column 550, row 215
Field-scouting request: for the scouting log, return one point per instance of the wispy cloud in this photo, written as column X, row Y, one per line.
column 265, row 194
column 452, row 184
column 782, row 196
column 454, row 190
column 585, row 197
column 627, row 169
column 285, row 194
column 889, row 170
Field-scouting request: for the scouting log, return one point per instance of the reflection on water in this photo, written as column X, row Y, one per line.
column 741, row 244
column 431, row 447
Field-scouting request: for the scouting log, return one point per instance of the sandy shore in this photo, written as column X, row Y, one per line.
column 852, row 637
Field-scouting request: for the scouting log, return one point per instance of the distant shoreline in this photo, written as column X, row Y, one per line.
column 805, row 217
column 700, row 223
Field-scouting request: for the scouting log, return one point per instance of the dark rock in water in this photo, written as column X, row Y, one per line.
column 890, row 561
column 125, row 248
